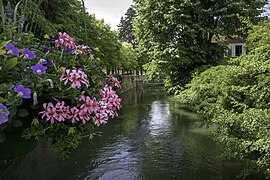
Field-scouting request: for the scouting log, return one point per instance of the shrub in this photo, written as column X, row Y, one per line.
column 234, row 99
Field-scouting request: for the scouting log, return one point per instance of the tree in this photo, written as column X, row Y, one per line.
column 177, row 35
column 128, row 57
column 126, row 34
column 125, row 27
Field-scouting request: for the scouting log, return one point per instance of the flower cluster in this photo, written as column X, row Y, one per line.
column 114, row 81
column 82, row 49
column 111, row 99
column 100, row 110
column 58, row 112
column 64, row 41
column 61, row 75
column 28, row 54
column 23, row 92
column 103, row 109
column 76, row 76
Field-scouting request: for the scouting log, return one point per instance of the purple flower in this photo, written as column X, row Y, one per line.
column 39, row 69
column 9, row 22
column 22, row 20
column 3, row 114
column 96, row 64
column 12, row 49
column 46, row 62
column 68, row 49
column 28, row 54
column 55, row 38
column 47, row 49
column 9, row 13
column 23, row 92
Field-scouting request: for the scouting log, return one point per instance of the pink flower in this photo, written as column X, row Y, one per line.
column 65, row 76
column 106, row 92
column 81, row 49
column 101, row 118
column 82, row 97
column 108, row 95
column 59, row 112
column 90, row 105
column 76, row 77
column 114, row 81
column 49, row 112
column 64, row 41
column 84, row 116
column 113, row 102
column 62, row 111
column 74, row 114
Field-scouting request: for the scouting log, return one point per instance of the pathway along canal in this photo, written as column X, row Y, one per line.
column 152, row 139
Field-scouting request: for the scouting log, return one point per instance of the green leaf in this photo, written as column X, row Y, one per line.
column 2, row 100
column 23, row 113
column 2, row 51
column 11, row 63
column 3, row 44
column 17, row 123
column 12, row 111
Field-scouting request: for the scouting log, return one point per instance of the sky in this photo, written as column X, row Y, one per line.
column 109, row 10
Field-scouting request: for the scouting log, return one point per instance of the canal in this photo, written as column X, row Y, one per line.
column 152, row 139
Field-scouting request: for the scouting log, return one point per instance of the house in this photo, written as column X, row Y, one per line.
column 235, row 44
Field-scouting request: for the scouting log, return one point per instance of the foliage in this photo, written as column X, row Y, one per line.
column 126, row 34
column 129, row 55
column 181, row 32
column 234, row 99
column 126, row 28
column 57, row 80
column 46, row 18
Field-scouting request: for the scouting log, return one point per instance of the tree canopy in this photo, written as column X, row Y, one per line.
column 178, row 34
column 126, row 27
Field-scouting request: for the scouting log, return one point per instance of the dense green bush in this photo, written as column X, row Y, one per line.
column 235, row 100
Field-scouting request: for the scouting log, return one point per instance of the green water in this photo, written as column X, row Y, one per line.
column 152, row 139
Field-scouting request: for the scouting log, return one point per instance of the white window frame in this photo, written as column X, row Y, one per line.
column 232, row 47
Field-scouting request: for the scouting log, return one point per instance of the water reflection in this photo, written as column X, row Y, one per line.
column 150, row 140
column 159, row 118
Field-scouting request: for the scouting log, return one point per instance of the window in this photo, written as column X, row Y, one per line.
column 238, row 50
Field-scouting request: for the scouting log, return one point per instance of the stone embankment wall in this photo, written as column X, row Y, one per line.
column 131, row 81
column 128, row 83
